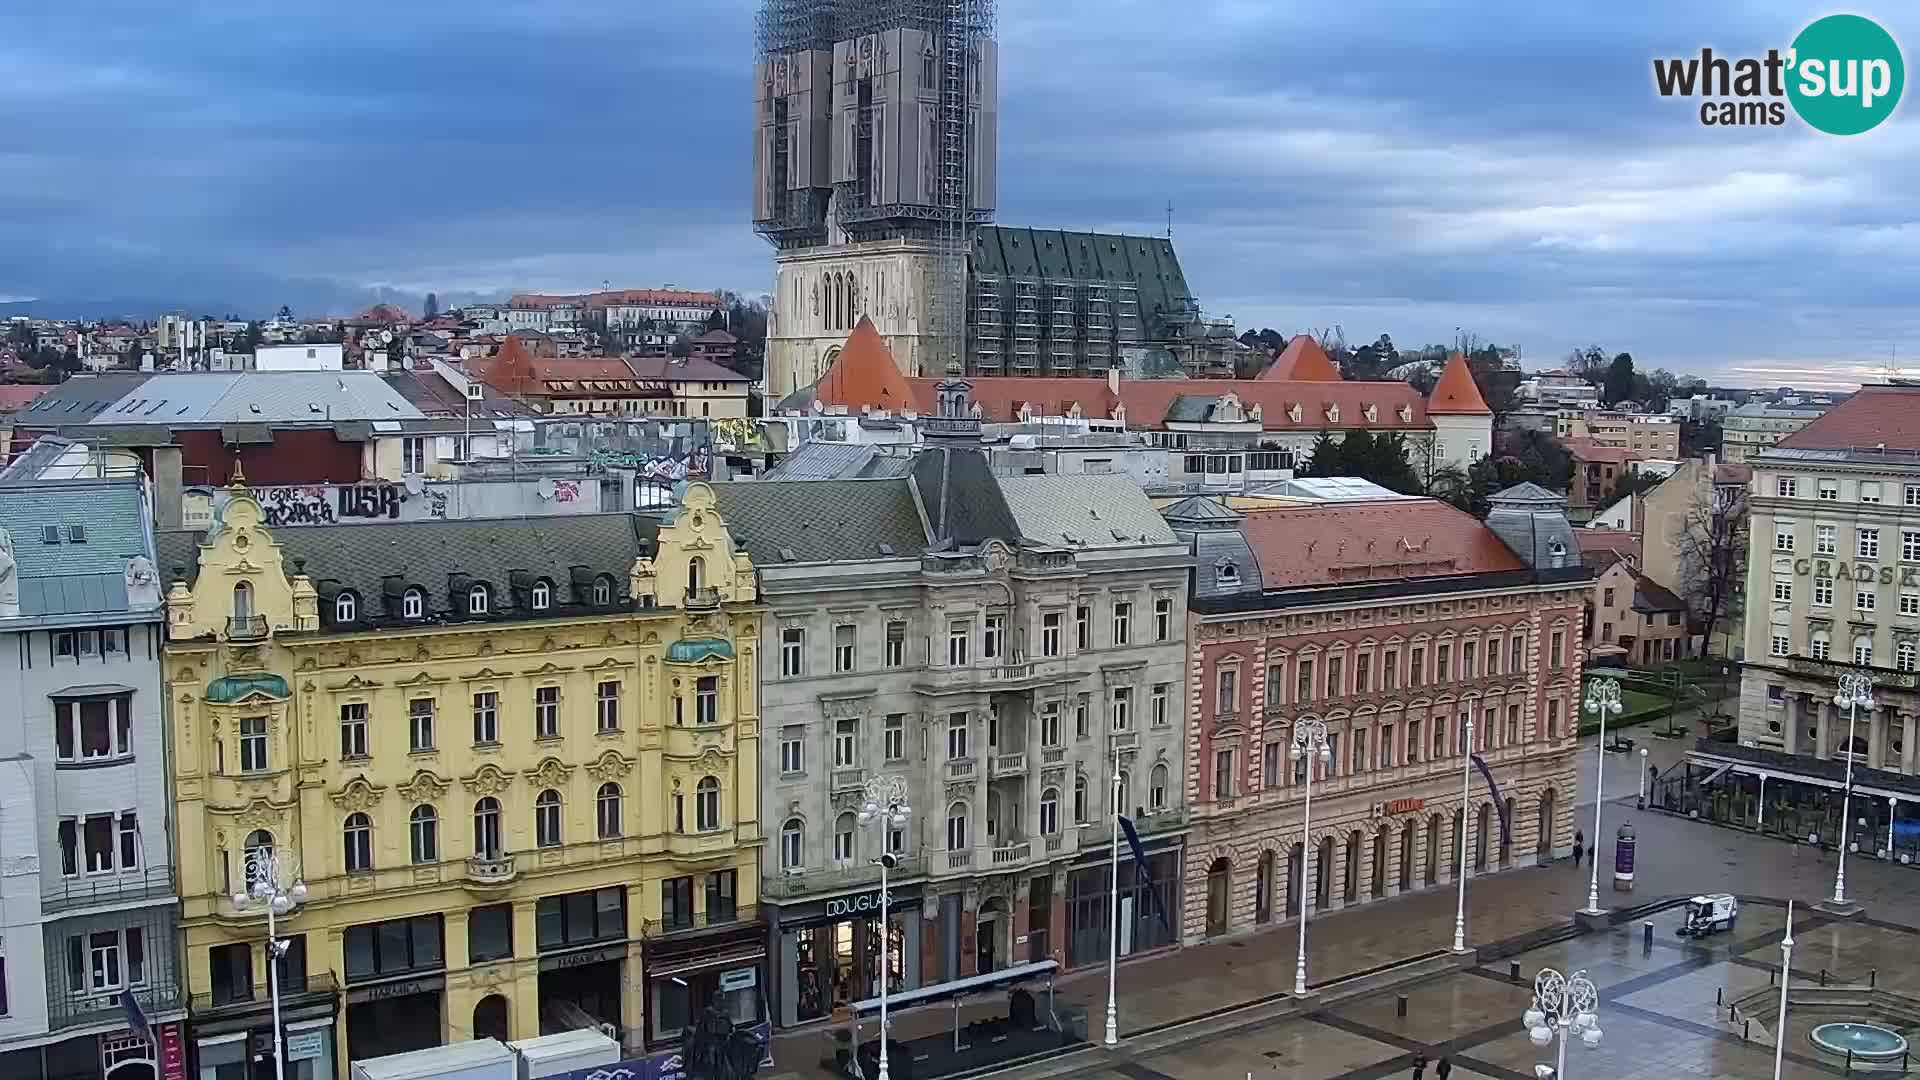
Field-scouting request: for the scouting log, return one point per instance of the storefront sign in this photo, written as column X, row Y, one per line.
column 302, row 1045
column 1405, row 806
column 841, row 906
column 389, row 991
column 173, row 1052
column 739, row 979
column 584, row 957
column 1909, row 577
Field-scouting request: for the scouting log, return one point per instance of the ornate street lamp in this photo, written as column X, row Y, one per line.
column 1562, row 1006
column 1854, row 693
column 1309, row 744
column 1603, row 700
column 885, row 804
column 273, row 884
column 1466, row 797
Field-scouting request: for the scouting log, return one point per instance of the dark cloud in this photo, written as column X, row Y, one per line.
column 1388, row 166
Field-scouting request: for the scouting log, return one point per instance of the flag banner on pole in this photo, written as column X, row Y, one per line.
column 136, row 1018
column 1499, row 804
column 1140, row 871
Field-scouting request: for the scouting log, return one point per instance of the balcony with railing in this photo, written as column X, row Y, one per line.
column 154, row 883
column 703, row 596
column 1005, row 766
column 492, row 871
column 317, row 988
column 792, row 883
column 247, row 628
column 710, row 919
column 847, row 780
column 1009, row 856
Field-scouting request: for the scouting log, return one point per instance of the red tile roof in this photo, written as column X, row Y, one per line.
column 1623, row 542
column 1583, row 448
column 1877, row 415
column 518, row 373
column 1148, row 400
column 692, row 368
column 18, row 395
column 1456, row 394
column 1303, row 360
column 1388, row 540
column 864, row 376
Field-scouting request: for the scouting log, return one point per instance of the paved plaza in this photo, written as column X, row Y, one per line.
column 1658, row 1004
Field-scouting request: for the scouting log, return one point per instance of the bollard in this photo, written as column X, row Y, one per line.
column 1849, row 1063
column 1873, row 979
column 1746, row 1030
column 1400, row 1005
column 1719, row 995
column 1513, row 971
column 1772, row 975
column 1646, row 940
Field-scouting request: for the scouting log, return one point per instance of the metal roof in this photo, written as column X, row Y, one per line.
column 77, row 573
column 209, row 398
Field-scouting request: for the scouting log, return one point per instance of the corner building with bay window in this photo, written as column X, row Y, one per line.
column 1392, row 620
column 992, row 641
column 514, row 761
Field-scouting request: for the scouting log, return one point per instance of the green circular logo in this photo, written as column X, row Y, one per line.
column 1846, row 74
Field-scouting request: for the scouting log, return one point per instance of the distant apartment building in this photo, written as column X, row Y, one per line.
column 1749, row 429
column 1597, row 471
column 1653, row 434
column 624, row 311
column 1559, row 388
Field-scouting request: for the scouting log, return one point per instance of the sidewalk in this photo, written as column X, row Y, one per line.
column 1675, row 857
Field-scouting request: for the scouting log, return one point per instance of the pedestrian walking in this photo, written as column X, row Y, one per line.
column 1445, row 1069
column 1579, row 847
column 1419, row 1066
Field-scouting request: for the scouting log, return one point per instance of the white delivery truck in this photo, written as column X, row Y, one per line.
column 563, row 1052
column 482, row 1059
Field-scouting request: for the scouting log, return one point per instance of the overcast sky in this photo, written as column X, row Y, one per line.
column 1387, row 167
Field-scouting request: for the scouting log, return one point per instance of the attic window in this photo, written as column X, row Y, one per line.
column 413, row 605
column 603, row 590
column 346, row 607
column 49, row 534
column 77, row 534
column 542, row 596
column 1226, row 573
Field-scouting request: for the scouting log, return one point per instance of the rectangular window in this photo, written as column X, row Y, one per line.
column 103, row 961
column 1386, row 746
column 1276, row 686
column 1518, row 651
column 1513, row 725
column 1826, row 540
column 97, row 831
column 676, row 903
column 1864, row 599
column 896, row 644
column 1413, row 742
column 1786, row 487
column 1123, row 708
column 1362, row 672
column 793, row 644
column 606, row 707
column 1083, row 627
column 489, row 933
column 722, row 896
column 845, row 646
column 1336, row 672
column 1912, row 495
column 846, row 744
column 129, row 841
column 1303, row 682
column 1271, row 755
column 1163, row 619
column 253, row 744
column 1390, row 670
column 895, row 736
column 706, row 700
column 1557, row 652
column 1359, row 750
column 1443, row 663
column 1493, row 656
column 1869, row 543
column 1081, row 721
column 1161, row 692
column 1828, row 490
column 792, row 742
column 1822, row 592
column 1417, row 669
column 993, row 637
column 1870, row 491
column 1223, row 774
column 1333, row 756
column 1910, row 603
column 1122, row 622
column 420, row 725
column 1783, row 590
column 1781, row 646
column 1050, row 634
column 1050, row 734
column 546, row 712
column 1226, row 700
column 353, row 730
column 1468, row 661
column 1783, row 536
column 959, row 637
column 580, row 918
column 958, row 729
column 1910, row 545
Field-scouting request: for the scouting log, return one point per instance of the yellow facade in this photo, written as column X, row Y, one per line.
column 268, row 657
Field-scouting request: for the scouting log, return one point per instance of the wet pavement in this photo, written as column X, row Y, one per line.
column 1658, row 1010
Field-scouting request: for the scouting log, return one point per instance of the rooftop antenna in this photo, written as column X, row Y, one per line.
column 1169, row 219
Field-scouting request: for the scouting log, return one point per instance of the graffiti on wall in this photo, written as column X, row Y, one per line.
column 296, row 506
column 380, row 501
column 658, row 467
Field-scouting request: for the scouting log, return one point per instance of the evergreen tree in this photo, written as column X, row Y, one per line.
column 1619, row 385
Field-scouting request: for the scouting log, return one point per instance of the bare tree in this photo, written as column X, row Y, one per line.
column 1589, row 363
column 1712, row 546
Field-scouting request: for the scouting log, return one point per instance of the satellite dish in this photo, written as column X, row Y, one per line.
column 414, row 483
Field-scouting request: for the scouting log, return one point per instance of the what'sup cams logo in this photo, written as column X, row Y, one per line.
column 1842, row 75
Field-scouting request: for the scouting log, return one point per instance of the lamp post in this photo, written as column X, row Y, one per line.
column 1603, row 698
column 1562, row 1005
column 885, row 804
column 1786, row 973
column 1855, row 690
column 273, row 884
column 1640, row 801
column 1309, row 743
column 1466, row 796
column 1113, row 912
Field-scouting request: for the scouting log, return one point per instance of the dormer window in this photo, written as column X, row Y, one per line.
column 1226, row 573
column 477, row 600
column 346, row 608
column 413, row 605
column 542, row 596
column 602, row 590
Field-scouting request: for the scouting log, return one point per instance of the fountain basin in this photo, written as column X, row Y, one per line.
column 1868, row 1042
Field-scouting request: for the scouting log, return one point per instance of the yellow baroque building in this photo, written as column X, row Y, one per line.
column 512, row 762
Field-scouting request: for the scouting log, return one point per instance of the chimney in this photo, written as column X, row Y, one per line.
column 1113, row 380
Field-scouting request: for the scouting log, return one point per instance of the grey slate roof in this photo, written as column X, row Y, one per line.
column 1202, row 512
column 1652, row 598
column 812, row 521
column 839, row 461
column 1225, row 547
column 68, row 578
column 207, row 398
column 1528, row 491
column 1084, row 511
column 506, row 554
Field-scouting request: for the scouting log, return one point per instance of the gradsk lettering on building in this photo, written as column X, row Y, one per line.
column 1860, row 571
column 857, row 905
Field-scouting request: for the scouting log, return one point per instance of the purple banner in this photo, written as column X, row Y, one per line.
column 664, row 1065
column 1623, row 857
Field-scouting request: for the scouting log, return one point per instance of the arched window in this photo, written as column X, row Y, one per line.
column 793, row 851
column 843, row 840
column 603, row 590
column 359, row 836
column 1079, row 800
column 413, row 604
column 1157, row 788
column 486, row 828
column 542, row 596
column 1050, row 812
column 477, row 600
column 1863, row 652
column 243, row 600
column 1126, row 789
column 423, row 826
column 607, row 810
column 346, row 607
column 258, row 851
column 696, row 573
column 546, row 819
column 957, row 827
column 706, row 804
column 1903, row 656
